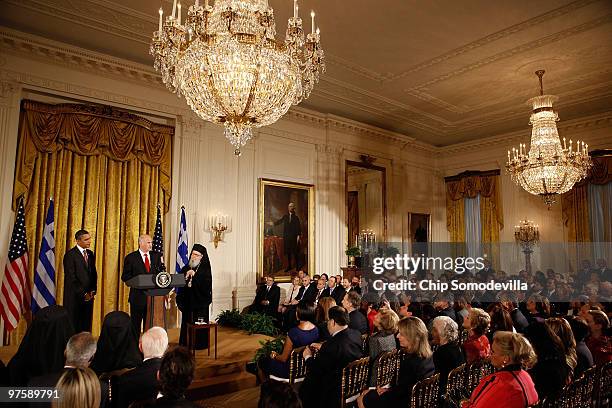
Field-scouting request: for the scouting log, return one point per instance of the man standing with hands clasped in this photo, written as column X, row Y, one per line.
column 80, row 282
column 136, row 263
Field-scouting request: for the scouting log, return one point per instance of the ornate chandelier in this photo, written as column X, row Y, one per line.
column 227, row 63
column 548, row 169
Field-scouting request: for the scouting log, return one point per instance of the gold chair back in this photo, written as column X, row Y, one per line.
column 364, row 343
column 354, row 380
column 297, row 365
column 387, row 368
column 463, row 336
column 425, row 393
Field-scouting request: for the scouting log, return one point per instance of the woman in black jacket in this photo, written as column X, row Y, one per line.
column 448, row 355
column 416, row 366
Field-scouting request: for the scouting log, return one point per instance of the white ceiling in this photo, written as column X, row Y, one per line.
column 442, row 71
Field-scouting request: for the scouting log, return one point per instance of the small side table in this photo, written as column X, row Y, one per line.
column 192, row 330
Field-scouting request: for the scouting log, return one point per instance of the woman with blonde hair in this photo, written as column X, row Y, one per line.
column 414, row 367
column 510, row 385
column 78, row 387
column 477, row 346
column 385, row 324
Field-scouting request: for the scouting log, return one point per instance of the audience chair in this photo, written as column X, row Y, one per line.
column 425, row 393
column 354, row 380
column 387, row 368
column 364, row 344
column 463, row 336
column 297, row 367
column 578, row 394
column 602, row 393
column 110, row 377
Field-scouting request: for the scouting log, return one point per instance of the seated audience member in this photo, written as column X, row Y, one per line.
column 117, row 345
column 291, row 294
column 335, row 290
column 267, row 298
column 461, row 309
column 321, row 387
column 448, row 355
column 477, row 346
column 562, row 329
column 78, row 387
column 519, row 321
column 598, row 342
column 538, row 308
column 309, row 292
column 370, row 303
column 416, row 366
column 79, row 352
column 352, row 302
column 175, row 374
column 550, row 373
column 355, row 285
column 320, row 290
column 584, row 356
column 303, row 334
column 42, row 348
column 140, row 383
column 346, row 284
column 510, row 385
column 444, row 305
column 383, row 339
column 322, row 316
column 275, row 394
column 500, row 320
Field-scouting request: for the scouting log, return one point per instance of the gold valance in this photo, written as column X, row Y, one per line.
column 91, row 130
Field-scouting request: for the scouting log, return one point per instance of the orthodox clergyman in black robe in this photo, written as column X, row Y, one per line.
column 195, row 298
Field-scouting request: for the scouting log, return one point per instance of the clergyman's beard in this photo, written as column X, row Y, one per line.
column 194, row 263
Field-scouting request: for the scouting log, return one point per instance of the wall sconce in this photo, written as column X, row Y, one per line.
column 218, row 224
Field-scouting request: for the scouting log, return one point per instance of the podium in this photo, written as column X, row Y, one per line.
column 146, row 282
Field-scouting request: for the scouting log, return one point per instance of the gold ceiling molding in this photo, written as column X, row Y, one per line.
column 599, row 121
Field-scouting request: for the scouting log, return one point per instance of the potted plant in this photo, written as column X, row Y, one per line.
column 352, row 252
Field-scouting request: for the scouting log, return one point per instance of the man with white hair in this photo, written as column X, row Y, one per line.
column 140, row 383
column 141, row 261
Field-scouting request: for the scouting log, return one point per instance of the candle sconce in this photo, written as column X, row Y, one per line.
column 218, row 225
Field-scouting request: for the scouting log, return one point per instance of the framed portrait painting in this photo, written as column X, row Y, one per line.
column 419, row 233
column 286, row 229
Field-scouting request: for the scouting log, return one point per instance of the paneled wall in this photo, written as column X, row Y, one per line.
column 305, row 146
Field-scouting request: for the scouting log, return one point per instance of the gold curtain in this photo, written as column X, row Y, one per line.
column 469, row 185
column 106, row 170
column 575, row 206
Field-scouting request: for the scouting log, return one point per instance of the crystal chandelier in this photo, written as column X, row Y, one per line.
column 227, row 63
column 548, row 169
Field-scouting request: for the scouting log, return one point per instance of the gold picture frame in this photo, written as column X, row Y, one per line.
column 279, row 248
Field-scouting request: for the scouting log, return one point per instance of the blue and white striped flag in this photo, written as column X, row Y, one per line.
column 43, row 294
column 182, row 251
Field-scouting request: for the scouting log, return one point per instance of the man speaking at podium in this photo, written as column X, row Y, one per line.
column 136, row 263
column 195, row 298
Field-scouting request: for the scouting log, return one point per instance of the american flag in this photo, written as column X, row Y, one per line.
column 15, row 293
column 158, row 236
column 43, row 292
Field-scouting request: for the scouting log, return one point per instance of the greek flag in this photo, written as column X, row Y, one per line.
column 44, row 277
column 182, row 254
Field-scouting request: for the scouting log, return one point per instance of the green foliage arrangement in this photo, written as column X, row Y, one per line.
column 352, row 251
column 268, row 346
column 230, row 318
column 256, row 323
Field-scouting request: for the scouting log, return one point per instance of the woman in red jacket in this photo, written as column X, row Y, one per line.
column 511, row 353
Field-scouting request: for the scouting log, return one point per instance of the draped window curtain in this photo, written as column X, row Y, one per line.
column 485, row 186
column 587, row 212
column 473, row 227
column 106, row 170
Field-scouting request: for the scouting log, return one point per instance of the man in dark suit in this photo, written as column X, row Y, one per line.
column 140, row 383
column 357, row 320
column 309, row 294
column 267, row 298
column 80, row 282
column 321, row 387
column 140, row 262
column 292, row 231
column 334, row 290
column 79, row 352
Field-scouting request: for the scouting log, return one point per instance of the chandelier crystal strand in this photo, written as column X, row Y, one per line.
column 549, row 168
column 226, row 62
